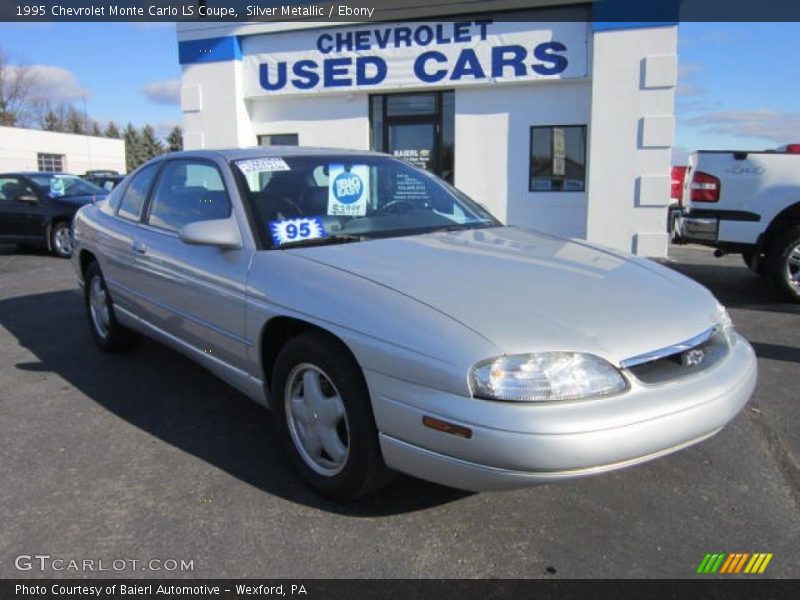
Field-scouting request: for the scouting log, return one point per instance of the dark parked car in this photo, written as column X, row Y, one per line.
column 107, row 182
column 37, row 208
column 99, row 173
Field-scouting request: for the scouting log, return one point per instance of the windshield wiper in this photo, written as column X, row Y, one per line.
column 340, row 238
column 462, row 227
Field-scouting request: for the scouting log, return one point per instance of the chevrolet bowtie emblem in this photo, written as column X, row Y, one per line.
column 692, row 358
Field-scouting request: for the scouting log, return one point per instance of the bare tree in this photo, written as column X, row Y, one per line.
column 16, row 90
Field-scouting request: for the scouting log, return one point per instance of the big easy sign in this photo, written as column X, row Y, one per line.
column 412, row 55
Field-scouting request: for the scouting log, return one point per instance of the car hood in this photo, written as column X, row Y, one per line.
column 526, row 291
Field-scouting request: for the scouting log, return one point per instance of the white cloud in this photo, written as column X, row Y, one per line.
column 688, row 70
column 163, row 92
column 687, row 85
column 56, row 84
column 689, row 89
column 777, row 126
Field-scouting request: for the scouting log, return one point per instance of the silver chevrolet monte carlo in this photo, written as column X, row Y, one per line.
column 393, row 324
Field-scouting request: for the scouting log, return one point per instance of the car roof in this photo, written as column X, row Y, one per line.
column 229, row 154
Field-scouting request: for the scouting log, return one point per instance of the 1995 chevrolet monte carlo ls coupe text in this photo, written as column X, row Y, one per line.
column 392, row 324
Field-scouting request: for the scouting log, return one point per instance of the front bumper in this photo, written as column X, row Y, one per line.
column 696, row 229
column 519, row 444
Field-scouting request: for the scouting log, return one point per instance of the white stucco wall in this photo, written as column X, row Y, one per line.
column 493, row 151
column 339, row 120
column 632, row 130
column 19, row 148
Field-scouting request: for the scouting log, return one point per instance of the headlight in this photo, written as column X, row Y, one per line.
column 545, row 377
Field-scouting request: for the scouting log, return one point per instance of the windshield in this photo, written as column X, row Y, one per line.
column 322, row 199
column 64, row 186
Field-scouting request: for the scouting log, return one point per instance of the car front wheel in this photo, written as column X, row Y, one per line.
column 323, row 411
column 61, row 240
column 106, row 331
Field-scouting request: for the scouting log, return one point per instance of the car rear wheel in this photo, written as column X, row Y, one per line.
column 783, row 262
column 324, row 415
column 106, row 331
column 61, row 239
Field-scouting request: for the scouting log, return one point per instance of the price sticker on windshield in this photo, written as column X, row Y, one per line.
column 262, row 165
column 348, row 190
column 287, row 231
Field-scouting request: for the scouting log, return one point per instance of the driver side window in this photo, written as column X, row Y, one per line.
column 188, row 191
column 12, row 188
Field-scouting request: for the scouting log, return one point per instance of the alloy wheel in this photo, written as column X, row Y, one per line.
column 98, row 307
column 317, row 419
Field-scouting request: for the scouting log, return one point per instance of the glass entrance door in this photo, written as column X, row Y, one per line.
column 414, row 142
column 417, row 127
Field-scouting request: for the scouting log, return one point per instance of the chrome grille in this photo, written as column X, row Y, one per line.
column 679, row 360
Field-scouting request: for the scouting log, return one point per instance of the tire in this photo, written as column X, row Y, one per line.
column 783, row 262
column 106, row 331
column 754, row 262
column 61, row 239
column 324, row 416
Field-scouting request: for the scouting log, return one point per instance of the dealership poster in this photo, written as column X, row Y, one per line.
column 348, row 190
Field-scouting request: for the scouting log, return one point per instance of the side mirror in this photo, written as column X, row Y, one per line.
column 28, row 198
column 222, row 233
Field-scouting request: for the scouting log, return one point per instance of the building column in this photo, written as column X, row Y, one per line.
column 215, row 114
column 634, row 73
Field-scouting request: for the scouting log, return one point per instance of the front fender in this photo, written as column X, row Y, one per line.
column 386, row 331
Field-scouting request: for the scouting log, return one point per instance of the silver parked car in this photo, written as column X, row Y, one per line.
column 392, row 324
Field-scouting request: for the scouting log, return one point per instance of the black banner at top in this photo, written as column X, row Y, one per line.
column 231, row 11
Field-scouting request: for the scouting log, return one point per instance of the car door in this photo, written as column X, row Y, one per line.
column 21, row 210
column 195, row 293
column 119, row 262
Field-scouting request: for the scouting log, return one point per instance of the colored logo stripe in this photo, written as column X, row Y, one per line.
column 758, row 563
column 720, row 562
column 711, row 563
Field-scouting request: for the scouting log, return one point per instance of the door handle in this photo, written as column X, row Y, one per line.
column 139, row 246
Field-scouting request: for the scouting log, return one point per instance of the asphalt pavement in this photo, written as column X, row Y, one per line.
column 146, row 456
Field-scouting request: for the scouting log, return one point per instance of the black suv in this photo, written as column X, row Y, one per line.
column 37, row 208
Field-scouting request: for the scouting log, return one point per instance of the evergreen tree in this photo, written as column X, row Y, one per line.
column 175, row 139
column 112, row 131
column 96, row 129
column 133, row 148
column 75, row 121
column 51, row 121
column 151, row 146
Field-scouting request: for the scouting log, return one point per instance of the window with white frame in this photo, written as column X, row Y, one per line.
column 50, row 162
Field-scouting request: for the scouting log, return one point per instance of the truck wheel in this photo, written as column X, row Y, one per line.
column 754, row 262
column 783, row 262
column 323, row 411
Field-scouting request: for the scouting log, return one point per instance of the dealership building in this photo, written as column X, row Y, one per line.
column 36, row 150
column 549, row 117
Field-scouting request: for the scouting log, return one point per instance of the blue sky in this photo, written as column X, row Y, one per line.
column 125, row 71
column 738, row 83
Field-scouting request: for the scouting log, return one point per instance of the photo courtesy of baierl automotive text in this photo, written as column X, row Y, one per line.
column 300, row 297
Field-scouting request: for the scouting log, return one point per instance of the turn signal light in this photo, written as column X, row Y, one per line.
column 446, row 427
column 704, row 187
